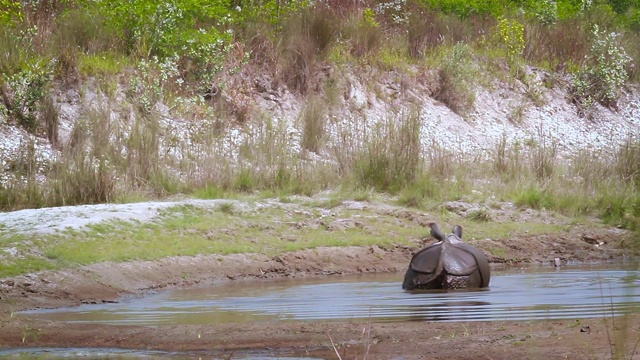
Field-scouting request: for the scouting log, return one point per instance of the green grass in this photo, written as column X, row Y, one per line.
column 102, row 65
column 26, row 265
column 189, row 230
column 226, row 228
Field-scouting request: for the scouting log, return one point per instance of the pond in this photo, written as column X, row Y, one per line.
column 516, row 293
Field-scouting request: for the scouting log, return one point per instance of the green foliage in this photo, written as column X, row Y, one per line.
column 364, row 35
column 29, row 264
column 191, row 32
column 274, row 12
column 533, row 197
column 151, row 81
column 424, row 189
column 21, row 94
column 604, row 75
column 467, row 8
column 161, row 28
column 620, row 210
column 627, row 161
column 456, row 80
column 209, row 192
column 395, row 11
column 244, row 181
column 10, row 12
column 101, row 65
column 369, row 17
column 569, row 9
column 511, row 39
column 480, row 215
column 544, row 11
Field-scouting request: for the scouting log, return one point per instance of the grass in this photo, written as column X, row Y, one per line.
column 228, row 228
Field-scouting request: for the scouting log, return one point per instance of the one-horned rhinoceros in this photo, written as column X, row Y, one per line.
column 448, row 264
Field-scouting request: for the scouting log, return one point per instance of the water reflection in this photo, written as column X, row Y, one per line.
column 514, row 294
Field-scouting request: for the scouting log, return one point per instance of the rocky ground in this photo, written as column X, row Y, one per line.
column 349, row 339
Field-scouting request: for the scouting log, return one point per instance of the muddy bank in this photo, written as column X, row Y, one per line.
column 107, row 281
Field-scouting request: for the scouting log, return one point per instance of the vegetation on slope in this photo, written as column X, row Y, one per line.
column 188, row 54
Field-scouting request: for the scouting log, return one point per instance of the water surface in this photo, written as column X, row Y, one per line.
column 525, row 293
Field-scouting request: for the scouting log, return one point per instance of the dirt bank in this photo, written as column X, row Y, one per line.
column 402, row 340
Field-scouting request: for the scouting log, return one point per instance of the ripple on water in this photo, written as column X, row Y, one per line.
column 514, row 294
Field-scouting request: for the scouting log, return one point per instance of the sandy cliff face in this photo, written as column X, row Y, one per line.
column 529, row 114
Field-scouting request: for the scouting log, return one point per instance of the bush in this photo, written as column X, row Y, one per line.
column 467, row 8
column 511, row 39
column 604, row 74
column 392, row 158
column 455, row 80
column 364, row 35
column 10, row 12
column 306, row 41
column 21, row 94
column 533, row 197
column 544, row 11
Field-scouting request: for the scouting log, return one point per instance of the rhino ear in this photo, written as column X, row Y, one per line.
column 435, row 232
column 457, row 231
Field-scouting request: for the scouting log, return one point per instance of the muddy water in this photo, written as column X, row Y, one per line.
column 514, row 294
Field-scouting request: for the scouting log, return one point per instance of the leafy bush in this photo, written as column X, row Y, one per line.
column 194, row 29
column 455, row 80
column 604, row 74
column 21, row 93
column 150, row 83
column 467, row 8
column 395, row 11
column 10, row 12
column 511, row 39
column 544, row 11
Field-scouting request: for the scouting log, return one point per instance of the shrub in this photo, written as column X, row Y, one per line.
column 455, row 80
column 467, row 8
column 365, row 35
column 421, row 190
column 511, row 39
column 620, row 210
column 10, row 12
column 604, row 74
column 533, row 197
column 559, row 47
column 21, row 93
column 544, row 11
column 306, row 40
column 395, row 12
column 152, row 81
column 392, row 159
